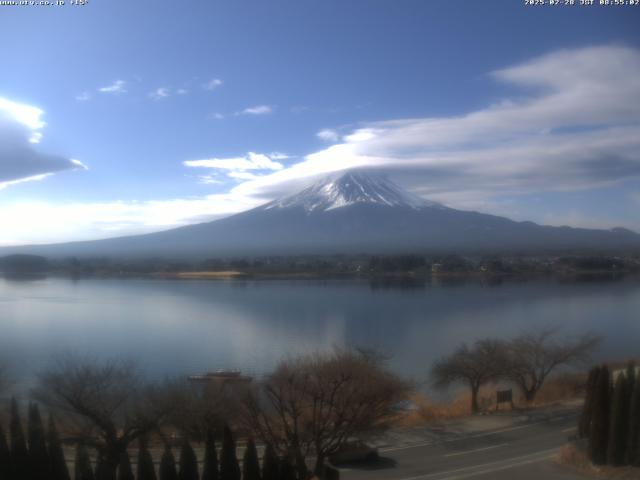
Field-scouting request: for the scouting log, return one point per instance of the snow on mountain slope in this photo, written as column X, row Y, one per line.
column 350, row 188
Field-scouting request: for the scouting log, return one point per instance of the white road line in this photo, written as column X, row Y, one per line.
column 493, row 466
column 476, row 450
column 498, row 469
column 478, row 435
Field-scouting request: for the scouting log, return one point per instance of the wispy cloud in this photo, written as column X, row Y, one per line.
column 160, row 93
column 216, row 116
column 238, row 168
column 20, row 129
column 118, row 87
column 328, row 135
column 83, row 97
column 213, row 84
column 278, row 156
column 251, row 161
column 256, row 110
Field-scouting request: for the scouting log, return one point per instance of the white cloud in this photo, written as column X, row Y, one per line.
column 328, row 135
column 20, row 127
column 83, row 97
column 26, row 115
column 256, row 110
column 278, row 156
column 41, row 222
column 33, row 178
column 213, row 84
column 572, row 130
column 118, row 87
column 160, row 93
column 216, row 116
column 210, row 180
column 239, row 175
column 251, row 161
column 182, row 91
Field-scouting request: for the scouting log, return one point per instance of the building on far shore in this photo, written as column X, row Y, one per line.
column 222, row 377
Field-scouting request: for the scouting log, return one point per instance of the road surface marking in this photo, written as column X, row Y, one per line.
column 478, row 435
column 476, row 450
column 493, row 466
column 498, row 469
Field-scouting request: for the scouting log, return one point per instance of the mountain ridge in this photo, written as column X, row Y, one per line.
column 350, row 212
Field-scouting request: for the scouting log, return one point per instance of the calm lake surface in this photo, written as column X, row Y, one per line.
column 178, row 327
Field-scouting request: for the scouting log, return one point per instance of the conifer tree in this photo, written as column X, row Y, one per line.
column 146, row 471
column 632, row 456
column 168, row 465
column 58, row 468
column 229, row 468
column 600, row 418
column 188, row 462
column 83, row 468
column 287, row 471
column 616, row 448
column 269, row 464
column 210, row 468
column 101, row 468
column 250, row 463
column 125, row 472
column 5, row 456
column 19, row 452
column 38, row 454
column 631, row 376
column 585, row 417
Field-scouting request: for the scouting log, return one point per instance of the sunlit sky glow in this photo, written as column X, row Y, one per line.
column 125, row 117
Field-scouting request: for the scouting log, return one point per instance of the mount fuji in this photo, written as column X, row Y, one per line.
column 351, row 212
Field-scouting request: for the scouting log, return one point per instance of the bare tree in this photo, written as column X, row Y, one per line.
column 314, row 404
column 201, row 408
column 531, row 357
column 105, row 403
column 475, row 366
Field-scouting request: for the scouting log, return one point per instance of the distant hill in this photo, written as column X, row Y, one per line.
column 23, row 264
column 354, row 212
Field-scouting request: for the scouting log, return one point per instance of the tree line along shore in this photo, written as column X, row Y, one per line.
column 310, row 266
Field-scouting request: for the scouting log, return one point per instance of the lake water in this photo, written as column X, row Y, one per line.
column 179, row 327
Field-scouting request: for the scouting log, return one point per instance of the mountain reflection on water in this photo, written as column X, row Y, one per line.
column 173, row 327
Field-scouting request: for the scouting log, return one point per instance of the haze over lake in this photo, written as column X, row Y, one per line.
column 183, row 327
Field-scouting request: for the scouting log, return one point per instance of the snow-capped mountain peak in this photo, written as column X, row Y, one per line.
column 349, row 188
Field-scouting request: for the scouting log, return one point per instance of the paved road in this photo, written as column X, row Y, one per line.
column 520, row 452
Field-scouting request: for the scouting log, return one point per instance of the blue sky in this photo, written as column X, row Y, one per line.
column 121, row 117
